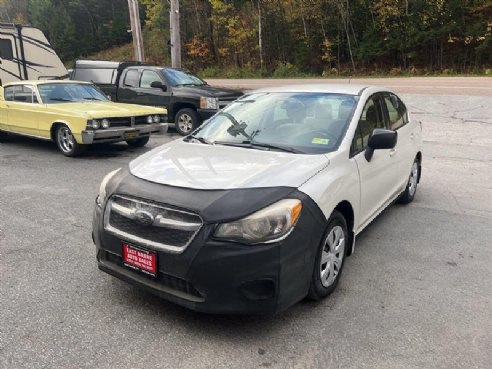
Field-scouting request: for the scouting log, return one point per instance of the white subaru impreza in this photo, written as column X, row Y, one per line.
column 260, row 206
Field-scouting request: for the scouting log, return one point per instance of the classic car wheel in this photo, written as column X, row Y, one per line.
column 186, row 121
column 330, row 258
column 411, row 189
column 67, row 143
column 138, row 142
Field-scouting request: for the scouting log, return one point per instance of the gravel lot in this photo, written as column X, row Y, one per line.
column 417, row 293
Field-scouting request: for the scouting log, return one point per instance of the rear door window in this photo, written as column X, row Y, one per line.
column 397, row 112
column 20, row 93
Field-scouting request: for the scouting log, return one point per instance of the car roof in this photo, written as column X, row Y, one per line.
column 44, row 81
column 334, row 88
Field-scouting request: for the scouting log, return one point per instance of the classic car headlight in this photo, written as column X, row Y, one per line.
column 150, row 119
column 157, row 119
column 105, row 123
column 209, row 103
column 267, row 225
column 93, row 124
column 101, row 197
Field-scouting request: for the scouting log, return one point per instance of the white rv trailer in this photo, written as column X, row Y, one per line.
column 25, row 53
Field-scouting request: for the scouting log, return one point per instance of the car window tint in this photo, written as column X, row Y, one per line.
column 370, row 119
column 396, row 111
column 20, row 93
column 131, row 78
column 149, row 76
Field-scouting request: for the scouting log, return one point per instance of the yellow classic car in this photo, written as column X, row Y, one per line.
column 74, row 114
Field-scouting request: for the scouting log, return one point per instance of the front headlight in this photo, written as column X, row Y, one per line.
column 267, row 225
column 211, row 103
column 101, row 198
column 156, row 118
column 93, row 124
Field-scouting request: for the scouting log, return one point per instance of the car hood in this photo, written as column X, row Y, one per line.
column 214, row 167
column 207, row 90
column 104, row 109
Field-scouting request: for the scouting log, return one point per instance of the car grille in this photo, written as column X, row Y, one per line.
column 168, row 280
column 127, row 121
column 151, row 224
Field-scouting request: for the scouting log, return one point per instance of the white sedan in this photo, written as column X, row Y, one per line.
column 260, row 206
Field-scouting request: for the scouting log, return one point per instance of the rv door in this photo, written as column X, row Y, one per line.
column 10, row 68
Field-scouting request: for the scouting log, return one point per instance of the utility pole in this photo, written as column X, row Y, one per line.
column 175, row 35
column 138, row 46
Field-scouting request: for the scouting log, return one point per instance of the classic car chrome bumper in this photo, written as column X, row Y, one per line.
column 122, row 134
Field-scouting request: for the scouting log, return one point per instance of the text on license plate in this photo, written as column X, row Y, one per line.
column 142, row 260
column 131, row 134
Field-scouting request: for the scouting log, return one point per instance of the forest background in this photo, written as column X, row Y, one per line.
column 279, row 38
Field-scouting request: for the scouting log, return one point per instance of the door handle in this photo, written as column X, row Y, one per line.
column 140, row 94
column 392, row 152
column 412, row 136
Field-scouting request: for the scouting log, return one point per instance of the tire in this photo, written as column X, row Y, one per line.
column 186, row 121
column 408, row 195
column 138, row 142
column 330, row 258
column 66, row 142
column 4, row 136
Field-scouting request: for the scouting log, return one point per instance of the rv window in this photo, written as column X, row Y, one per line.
column 131, row 78
column 6, row 52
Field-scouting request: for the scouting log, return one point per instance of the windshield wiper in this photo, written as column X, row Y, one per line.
column 202, row 140
column 277, row 147
column 92, row 98
column 253, row 145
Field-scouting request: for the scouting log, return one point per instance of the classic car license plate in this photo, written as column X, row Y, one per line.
column 130, row 135
column 138, row 259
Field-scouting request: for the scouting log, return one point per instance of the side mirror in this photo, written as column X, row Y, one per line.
column 158, row 84
column 381, row 139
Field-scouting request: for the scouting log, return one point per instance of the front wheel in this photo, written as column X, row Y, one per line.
column 330, row 258
column 138, row 142
column 186, row 121
column 66, row 142
column 411, row 189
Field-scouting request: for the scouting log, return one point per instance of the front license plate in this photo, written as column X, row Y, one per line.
column 141, row 260
column 130, row 135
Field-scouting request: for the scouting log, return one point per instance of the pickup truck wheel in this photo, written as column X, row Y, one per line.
column 186, row 121
column 330, row 258
column 138, row 142
column 411, row 189
column 67, row 143
column 4, row 136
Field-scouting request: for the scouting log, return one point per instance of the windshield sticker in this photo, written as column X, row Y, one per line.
column 320, row 141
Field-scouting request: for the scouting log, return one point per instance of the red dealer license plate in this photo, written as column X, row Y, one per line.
column 138, row 259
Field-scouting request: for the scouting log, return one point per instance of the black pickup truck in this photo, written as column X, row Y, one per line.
column 188, row 99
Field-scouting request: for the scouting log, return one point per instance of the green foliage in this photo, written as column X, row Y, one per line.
column 298, row 37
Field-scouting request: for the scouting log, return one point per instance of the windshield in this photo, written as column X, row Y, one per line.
column 310, row 123
column 182, row 78
column 57, row 93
